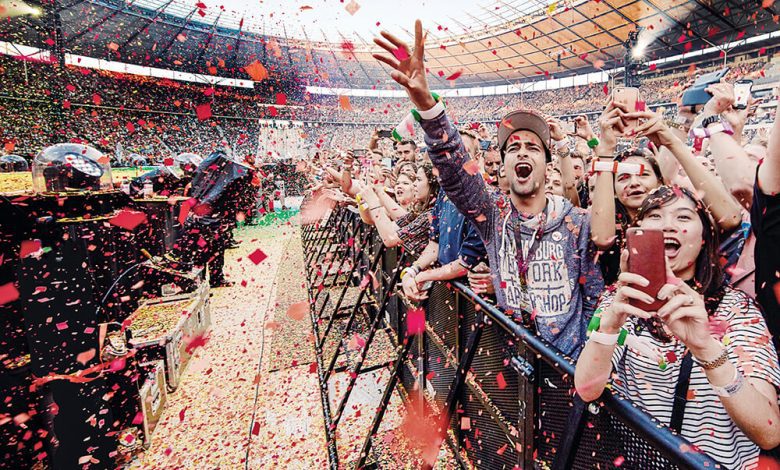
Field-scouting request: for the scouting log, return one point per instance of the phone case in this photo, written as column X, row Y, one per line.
column 646, row 258
column 628, row 97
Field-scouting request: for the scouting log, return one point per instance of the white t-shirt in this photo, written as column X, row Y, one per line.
column 706, row 424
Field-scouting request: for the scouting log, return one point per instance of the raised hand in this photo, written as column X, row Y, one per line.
column 408, row 66
column 653, row 127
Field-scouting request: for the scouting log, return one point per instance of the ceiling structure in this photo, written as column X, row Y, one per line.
column 489, row 43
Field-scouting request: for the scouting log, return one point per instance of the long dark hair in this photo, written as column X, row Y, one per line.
column 708, row 276
column 433, row 191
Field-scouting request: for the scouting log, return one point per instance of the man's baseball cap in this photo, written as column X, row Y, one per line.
column 525, row 120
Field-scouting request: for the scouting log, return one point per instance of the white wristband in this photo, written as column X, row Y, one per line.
column 432, row 113
column 604, row 338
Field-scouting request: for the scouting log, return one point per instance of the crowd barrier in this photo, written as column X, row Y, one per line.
column 508, row 395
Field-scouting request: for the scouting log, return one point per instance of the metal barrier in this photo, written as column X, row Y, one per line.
column 506, row 396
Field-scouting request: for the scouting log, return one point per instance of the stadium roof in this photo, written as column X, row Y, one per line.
column 493, row 42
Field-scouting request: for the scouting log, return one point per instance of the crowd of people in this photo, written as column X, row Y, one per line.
column 155, row 117
column 644, row 246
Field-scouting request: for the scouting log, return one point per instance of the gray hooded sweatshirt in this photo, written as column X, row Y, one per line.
column 562, row 281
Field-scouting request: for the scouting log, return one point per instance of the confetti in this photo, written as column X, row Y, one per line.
column 203, row 111
column 257, row 256
column 128, row 219
column 257, row 71
column 352, row 7
column 298, row 310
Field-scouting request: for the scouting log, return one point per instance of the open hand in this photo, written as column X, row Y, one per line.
column 408, row 67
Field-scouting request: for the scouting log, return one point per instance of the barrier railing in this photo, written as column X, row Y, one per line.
column 506, row 396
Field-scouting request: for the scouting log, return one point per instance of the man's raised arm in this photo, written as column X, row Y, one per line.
column 459, row 176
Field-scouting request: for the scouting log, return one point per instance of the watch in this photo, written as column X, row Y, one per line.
column 705, row 123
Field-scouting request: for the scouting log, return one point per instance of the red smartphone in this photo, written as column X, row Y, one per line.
column 646, row 258
column 628, row 97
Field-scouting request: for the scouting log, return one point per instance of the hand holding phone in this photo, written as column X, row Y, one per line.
column 646, row 258
column 742, row 90
column 630, row 99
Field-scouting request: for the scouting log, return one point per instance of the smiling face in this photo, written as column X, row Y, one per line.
column 524, row 160
column 422, row 188
column 630, row 189
column 683, row 232
column 404, row 190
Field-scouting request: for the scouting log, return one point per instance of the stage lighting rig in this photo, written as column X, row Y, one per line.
column 633, row 58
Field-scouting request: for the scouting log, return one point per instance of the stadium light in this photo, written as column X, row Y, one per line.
column 14, row 8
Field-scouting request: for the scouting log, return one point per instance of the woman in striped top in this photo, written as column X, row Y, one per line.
column 730, row 408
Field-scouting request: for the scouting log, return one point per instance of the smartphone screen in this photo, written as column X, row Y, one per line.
column 646, row 258
column 388, row 163
column 742, row 91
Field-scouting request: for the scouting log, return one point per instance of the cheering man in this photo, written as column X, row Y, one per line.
column 539, row 247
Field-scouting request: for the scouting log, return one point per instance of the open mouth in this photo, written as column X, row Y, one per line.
column 636, row 192
column 671, row 247
column 523, row 170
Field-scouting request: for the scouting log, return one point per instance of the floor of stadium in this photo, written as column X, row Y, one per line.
column 250, row 395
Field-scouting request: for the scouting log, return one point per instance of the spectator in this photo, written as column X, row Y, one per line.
column 538, row 260
column 731, row 389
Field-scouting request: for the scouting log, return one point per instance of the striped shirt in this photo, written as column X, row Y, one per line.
column 706, row 424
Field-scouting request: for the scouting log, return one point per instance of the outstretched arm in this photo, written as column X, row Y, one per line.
column 445, row 147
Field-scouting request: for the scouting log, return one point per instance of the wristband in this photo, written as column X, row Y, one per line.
column 603, row 338
column 733, row 387
column 719, row 127
column 616, row 167
column 408, row 269
column 437, row 109
column 607, row 339
column 595, row 321
column 593, row 143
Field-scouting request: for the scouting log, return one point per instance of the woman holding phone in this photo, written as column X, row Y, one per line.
column 619, row 191
column 703, row 362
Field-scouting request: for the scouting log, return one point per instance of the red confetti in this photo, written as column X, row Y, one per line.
column 256, row 428
column 29, row 247
column 257, row 256
column 455, row 75
column 86, row 356
column 501, row 381
column 400, row 54
column 128, row 219
column 471, row 167
column 203, row 111
column 415, row 321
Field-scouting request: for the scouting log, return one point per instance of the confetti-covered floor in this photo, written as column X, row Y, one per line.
column 233, row 410
column 224, row 410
